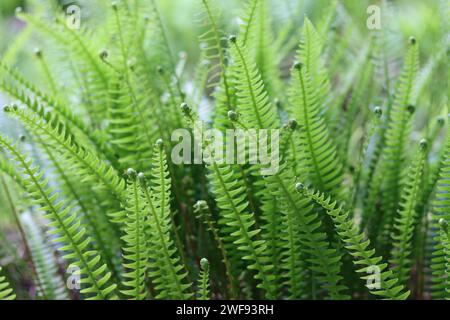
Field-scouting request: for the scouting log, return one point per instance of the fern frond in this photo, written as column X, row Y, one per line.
column 129, row 125
column 385, row 285
column 304, row 245
column 39, row 102
column 90, row 208
column 323, row 27
column 360, row 96
column 203, row 213
column 445, row 242
column 212, row 40
column 166, row 271
column 203, row 280
column 271, row 229
column 439, row 261
column 237, row 224
column 67, row 228
column 406, row 221
column 231, row 199
column 248, row 24
column 319, row 154
column 214, row 51
column 165, row 55
column 252, row 99
column 135, row 251
column 88, row 166
column 310, row 54
column 79, row 46
column 10, row 170
column 6, row 293
column 257, row 36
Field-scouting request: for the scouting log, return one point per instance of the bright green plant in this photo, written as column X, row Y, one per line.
column 6, row 293
column 357, row 209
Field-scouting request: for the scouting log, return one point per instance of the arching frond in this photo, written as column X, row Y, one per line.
column 368, row 264
column 68, row 231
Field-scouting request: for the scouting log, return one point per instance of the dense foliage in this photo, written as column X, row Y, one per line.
column 93, row 207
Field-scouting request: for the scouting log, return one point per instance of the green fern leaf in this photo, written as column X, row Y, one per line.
column 365, row 259
column 87, row 164
column 305, row 248
column 166, row 271
column 203, row 280
column 66, row 226
column 46, row 266
column 310, row 55
column 231, row 199
column 252, row 99
column 257, row 36
column 439, row 261
column 407, row 218
column 135, row 251
column 319, row 153
column 396, row 139
column 203, row 213
column 6, row 293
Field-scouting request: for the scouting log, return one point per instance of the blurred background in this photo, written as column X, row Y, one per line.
column 400, row 19
column 407, row 17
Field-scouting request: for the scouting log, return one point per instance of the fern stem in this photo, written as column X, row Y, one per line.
column 206, row 216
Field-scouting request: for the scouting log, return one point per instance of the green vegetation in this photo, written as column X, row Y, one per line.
column 92, row 205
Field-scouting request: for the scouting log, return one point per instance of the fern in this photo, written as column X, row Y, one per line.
column 252, row 99
column 77, row 46
column 365, row 259
column 439, row 263
column 319, row 158
column 396, row 135
column 203, row 281
column 91, row 101
column 257, row 36
column 7, row 168
column 310, row 55
column 6, row 293
column 201, row 208
column 39, row 102
column 214, row 51
column 302, row 239
column 407, row 218
column 446, row 245
column 69, row 232
column 231, row 200
column 89, row 166
column 135, row 251
column 165, row 269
